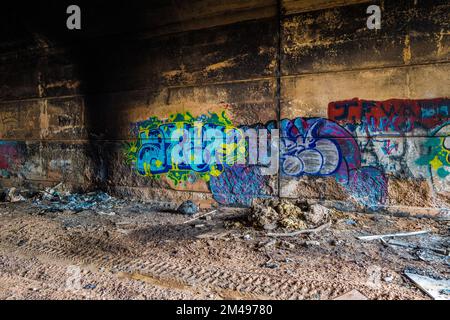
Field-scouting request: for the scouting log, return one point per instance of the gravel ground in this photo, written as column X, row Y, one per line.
column 139, row 253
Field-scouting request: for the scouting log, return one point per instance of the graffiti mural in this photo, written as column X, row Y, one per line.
column 320, row 147
column 406, row 138
column 395, row 115
column 437, row 158
column 185, row 147
column 220, row 148
column 239, row 185
column 361, row 144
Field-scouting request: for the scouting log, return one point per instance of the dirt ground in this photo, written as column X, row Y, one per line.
column 138, row 253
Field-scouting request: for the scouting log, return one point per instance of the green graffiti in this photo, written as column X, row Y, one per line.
column 186, row 136
column 438, row 157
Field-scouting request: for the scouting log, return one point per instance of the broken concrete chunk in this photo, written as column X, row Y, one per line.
column 272, row 214
column 317, row 214
column 271, row 265
column 188, row 208
column 437, row 289
column 263, row 216
column 13, row 195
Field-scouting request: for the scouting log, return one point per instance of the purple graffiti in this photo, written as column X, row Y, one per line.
column 239, row 185
column 320, row 147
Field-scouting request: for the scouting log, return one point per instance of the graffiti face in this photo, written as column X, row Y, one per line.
column 320, row 147
column 310, row 154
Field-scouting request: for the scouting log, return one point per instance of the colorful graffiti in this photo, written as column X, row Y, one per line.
column 239, row 185
column 320, row 147
column 10, row 158
column 360, row 144
column 395, row 115
column 183, row 145
column 438, row 155
column 397, row 135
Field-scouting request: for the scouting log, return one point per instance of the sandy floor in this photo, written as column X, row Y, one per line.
column 141, row 254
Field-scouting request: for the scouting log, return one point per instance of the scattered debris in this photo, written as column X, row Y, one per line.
column 53, row 201
column 13, row 195
column 90, row 286
column 382, row 236
column 299, row 232
column 52, row 194
column 350, row 222
column 188, row 208
column 389, row 278
column 442, row 251
column 272, row 214
column 312, row 243
column 317, row 214
column 437, row 289
column 271, row 265
column 247, row 237
column 200, row 216
column 107, row 213
column 352, row 295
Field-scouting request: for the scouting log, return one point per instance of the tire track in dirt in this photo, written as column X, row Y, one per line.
column 179, row 274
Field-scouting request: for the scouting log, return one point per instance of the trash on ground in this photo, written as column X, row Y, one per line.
column 53, row 200
column 442, row 251
column 188, row 208
column 312, row 243
column 350, row 222
column 247, row 237
column 205, row 215
column 13, row 195
column 393, row 235
column 271, row 265
column 299, row 232
column 435, row 288
column 90, row 286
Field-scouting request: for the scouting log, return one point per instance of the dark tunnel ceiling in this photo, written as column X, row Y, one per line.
column 22, row 21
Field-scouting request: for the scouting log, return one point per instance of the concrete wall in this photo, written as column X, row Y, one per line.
column 74, row 104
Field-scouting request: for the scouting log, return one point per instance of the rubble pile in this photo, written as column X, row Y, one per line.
column 285, row 214
column 188, row 208
column 53, row 200
column 60, row 199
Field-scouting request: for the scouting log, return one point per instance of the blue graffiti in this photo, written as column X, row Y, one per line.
column 239, row 185
column 320, row 147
